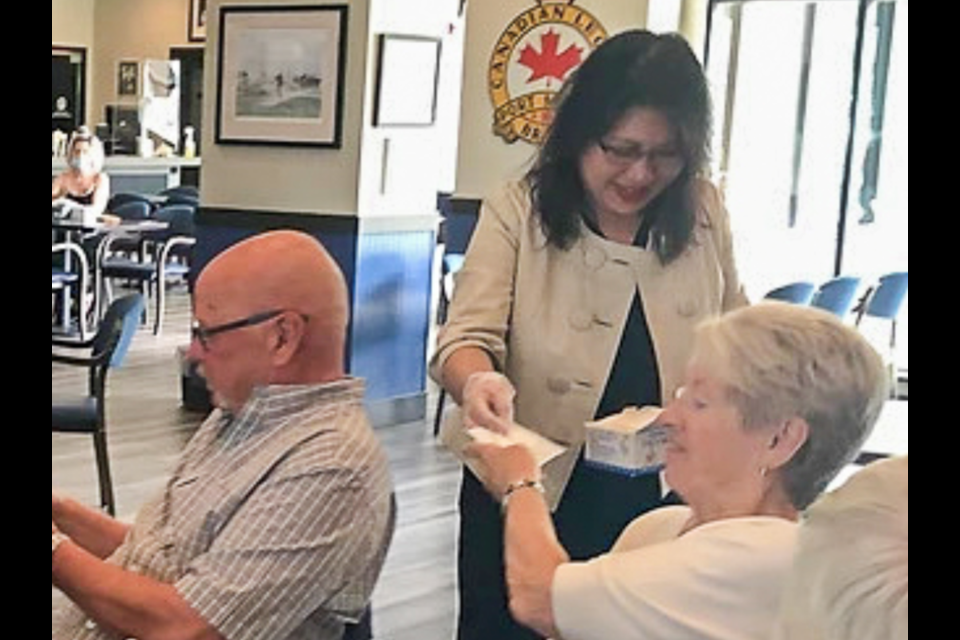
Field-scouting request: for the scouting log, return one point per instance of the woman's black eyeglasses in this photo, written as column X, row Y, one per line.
column 202, row 334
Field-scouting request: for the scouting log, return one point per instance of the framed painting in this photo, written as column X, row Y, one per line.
column 197, row 27
column 280, row 75
column 127, row 73
column 408, row 69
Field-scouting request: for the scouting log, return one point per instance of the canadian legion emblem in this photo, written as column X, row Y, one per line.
column 532, row 58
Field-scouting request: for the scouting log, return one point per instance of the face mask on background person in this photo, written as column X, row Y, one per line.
column 82, row 162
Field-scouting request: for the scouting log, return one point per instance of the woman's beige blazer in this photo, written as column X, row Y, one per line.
column 551, row 319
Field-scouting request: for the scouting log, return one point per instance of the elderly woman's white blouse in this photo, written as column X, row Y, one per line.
column 721, row 580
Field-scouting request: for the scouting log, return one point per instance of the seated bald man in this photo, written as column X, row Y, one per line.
column 279, row 514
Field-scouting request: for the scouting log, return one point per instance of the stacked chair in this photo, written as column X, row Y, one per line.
column 87, row 413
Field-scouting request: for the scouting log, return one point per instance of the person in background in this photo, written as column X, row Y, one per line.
column 777, row 399
column 579, row 294
column 850, row 576
column 84, row 182
column 279, row 513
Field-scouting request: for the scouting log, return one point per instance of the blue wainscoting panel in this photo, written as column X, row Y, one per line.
column 388, row 273
column 392, row 312
column 219, row 228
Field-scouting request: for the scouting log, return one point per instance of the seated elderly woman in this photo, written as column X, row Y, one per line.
column 777, row 399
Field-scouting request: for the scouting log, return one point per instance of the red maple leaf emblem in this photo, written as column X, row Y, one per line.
column 547, row 63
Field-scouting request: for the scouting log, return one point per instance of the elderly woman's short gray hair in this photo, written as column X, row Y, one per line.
column 781, row 361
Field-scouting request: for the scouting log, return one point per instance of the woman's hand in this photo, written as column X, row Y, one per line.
column 503, row 466
column 488, row 401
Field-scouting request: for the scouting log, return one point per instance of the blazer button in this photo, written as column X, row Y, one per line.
column 687, row 308
column 558, row 385
column 581, row 320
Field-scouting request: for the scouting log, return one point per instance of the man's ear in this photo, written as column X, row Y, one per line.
column 287, row 336
column 786, row 441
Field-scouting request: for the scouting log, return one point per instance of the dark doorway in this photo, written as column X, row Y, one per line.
column 68, row 71
column 191, row 90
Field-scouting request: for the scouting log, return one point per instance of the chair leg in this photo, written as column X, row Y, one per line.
column 103, row 471
column 158, row 311
column 439, row 414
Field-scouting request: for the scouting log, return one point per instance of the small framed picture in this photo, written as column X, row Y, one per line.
column 280, row 75
column 128, row 71
column 197, row 26
column 407, row 75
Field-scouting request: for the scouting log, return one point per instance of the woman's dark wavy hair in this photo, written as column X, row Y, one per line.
column 632, row 69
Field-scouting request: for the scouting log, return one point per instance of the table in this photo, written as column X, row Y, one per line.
column 76, row 231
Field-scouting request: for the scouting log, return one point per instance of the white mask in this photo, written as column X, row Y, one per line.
column 82, row 162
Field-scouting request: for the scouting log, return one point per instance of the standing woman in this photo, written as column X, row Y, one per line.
column 84, row 181
column 579, row 295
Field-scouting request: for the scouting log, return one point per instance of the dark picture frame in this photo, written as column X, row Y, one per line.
column 408, row 71
column 197, row 21
column 128, row 72
column 280, row 75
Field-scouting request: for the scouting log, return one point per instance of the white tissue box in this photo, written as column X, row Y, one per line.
column 628, row 442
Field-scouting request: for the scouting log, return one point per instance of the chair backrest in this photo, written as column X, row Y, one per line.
column 179, row 217
column 182, row 190
column 458, row 229
column 122, row 197
column 117, row 328
column 132, row 210
column 836, row 295
column 888, row 296
column 182, row 198
column 795, row 292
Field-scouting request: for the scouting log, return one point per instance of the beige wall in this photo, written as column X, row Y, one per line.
column 115, row 30
column 133, row 30
column 302, row 180
column 73, row 26
column 485, row 160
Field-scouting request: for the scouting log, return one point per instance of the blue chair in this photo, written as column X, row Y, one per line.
column 170, row 258
column 885, row 301
column 132, row 210
column 125, row 197
column 836, row 295
column 71, row 277
column 458, row 225
column 795, row 292
column 182, row 194
column 105, row 351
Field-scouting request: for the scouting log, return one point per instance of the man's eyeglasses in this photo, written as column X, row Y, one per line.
column 202, row 334
column 625, row 155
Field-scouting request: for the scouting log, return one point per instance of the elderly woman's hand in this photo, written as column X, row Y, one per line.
column 502, row 466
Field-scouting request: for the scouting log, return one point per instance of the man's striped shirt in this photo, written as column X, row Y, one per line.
column 276, row 521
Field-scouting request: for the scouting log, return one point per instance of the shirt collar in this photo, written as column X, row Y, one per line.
column 273, row 405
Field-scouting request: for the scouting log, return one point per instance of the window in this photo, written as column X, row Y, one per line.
column 810, row 137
